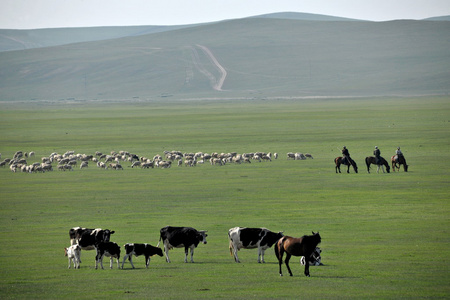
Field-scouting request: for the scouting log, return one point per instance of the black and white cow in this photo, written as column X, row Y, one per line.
column 314, row 260
column 87, row 238
column 140, row 249
column 178, row 237
column 108, row 249
column 250, row 238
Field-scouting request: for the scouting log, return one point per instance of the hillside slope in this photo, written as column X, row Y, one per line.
column 254, row 57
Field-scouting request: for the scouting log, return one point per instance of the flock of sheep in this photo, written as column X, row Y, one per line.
column 115, row 160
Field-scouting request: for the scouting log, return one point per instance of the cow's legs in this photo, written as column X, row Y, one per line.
column 166, row 252
column 111, row 261
column 129, row 256
column 234, row 251
column 261, row 253
column 98, row 258
column 147, row 261
column 192, row 254
column 286, row 261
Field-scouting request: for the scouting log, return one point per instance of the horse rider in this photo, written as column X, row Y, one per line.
column 377, row 154
column 346, row 155
column 399, row 154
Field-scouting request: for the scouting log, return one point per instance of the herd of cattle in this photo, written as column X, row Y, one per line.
column 115, row 160
column 179, row 237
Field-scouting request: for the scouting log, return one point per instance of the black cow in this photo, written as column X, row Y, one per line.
column 109, row 249
column 250, row 238
column 178, row 237
column 140, row 249
column 88, row 238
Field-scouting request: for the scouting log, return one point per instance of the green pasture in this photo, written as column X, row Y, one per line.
column 383, row 235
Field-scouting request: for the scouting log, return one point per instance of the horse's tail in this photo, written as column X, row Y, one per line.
column 278, row 244
column 277, row 251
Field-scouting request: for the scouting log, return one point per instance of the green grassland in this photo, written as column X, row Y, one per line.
column 383, row 235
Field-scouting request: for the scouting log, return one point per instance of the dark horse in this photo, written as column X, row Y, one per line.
column 382, row 163
column 397, row 161
column 341, row 161
column 303, row 246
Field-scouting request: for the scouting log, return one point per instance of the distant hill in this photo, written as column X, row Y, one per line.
column 245, row 58
column 442, row 18
column 303, row 17
column 11, row 39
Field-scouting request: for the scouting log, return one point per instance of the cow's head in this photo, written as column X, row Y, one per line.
column 103, row 235
column 202, row 236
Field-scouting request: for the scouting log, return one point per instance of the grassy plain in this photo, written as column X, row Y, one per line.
column 384, row 235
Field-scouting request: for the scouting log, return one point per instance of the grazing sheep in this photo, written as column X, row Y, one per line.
column 136, row 164
column 116, row 166
column 165, row 164
column 290, row 155
column 102, row 165
column 47, row 167
column 300, row 156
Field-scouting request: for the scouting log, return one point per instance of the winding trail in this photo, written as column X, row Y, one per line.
column 217, row 83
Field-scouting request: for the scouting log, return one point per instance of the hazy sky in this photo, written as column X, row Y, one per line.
column 29, row 14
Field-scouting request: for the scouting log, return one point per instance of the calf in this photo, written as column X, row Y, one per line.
column 250, row 238
column 109, row 249
column 178, row 237
column 314, row 260
column 140, row 249
column 73, row 253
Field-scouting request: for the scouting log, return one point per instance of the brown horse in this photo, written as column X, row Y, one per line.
column 303, row 246
column 338, row 161
column 397, row 161
column 382, row 163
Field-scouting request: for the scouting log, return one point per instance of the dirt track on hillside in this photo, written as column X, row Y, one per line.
column 216, row 83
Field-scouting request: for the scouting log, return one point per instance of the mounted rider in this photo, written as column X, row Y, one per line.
column 399, row 155
column 377, row 154
column 346, row 160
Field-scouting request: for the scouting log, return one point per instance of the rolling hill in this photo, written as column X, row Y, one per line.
column 244, row 58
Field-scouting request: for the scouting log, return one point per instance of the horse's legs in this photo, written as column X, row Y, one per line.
column 280, row 257
column 348, row 168
column 286, row 261
column 307, row 269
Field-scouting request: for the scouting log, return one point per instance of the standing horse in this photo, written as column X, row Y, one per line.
column 382, row 163
column 397, row 161
column 341, row 161
column 303, row 246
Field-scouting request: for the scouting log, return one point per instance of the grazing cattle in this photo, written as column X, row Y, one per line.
column 108, row 249
column 250, row 238
column 314, row 260
column 303, row 246
column 178, row 237
column 140, row 249
column 87, row 238
column 73, row 253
